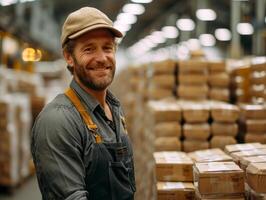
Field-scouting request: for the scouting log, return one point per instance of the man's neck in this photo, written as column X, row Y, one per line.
column 100, row 96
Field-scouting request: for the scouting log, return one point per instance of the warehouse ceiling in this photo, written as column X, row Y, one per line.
column 157, row 14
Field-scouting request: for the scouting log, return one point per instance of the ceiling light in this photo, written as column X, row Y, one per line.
column 10, row 46
column 223, row 34
column 206, row 14
column 127, row 18
column 170, row 32
column 141, row 1
column 185, row 24
column 207, row 40
column 244, row 29
column 157, row 37
column 7, row 2
column 135, row 9
column 122, row 27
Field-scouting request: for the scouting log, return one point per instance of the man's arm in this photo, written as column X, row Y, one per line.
column 57, row 152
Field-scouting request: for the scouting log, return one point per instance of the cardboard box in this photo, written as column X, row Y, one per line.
column 218, row 178
column 220, row 141
column 192, row 79
column 226, row 129
column 216, row 66
column 245, row 161
column 163, row 67
column 193, row 92
column 256, row 125
column 163, row 81
column 242, row 147
column 256, row 177
column 175, row 190
column 193, row 66
column 255, row 137
column 219, row 94
column 219, row 196
column 209, row 155
column 155, row 93
column 219, row 80
column 224, row 112
column 167, row 144
column 199, row 131
column 163, row 111
column 258, row 64
column 254, row 152
column 173, row 166
column 164, row 129
column 195, row 113
column 193, row 145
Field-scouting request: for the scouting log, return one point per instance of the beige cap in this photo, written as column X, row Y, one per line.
column 83, row 20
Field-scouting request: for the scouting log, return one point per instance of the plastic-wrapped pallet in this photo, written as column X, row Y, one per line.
column 218, row 180
column 224, row 126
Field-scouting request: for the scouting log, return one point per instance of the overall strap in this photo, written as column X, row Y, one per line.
column 84, row 114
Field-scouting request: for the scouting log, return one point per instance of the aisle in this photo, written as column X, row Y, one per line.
column 28, row 191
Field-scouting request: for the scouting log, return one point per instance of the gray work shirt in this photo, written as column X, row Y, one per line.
column 61, row 143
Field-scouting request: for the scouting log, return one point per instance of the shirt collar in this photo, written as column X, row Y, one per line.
column 89, row 100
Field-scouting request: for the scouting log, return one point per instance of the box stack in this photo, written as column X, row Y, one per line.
column 253, row 123
column 224, row 127
column 218, row 180
column 196, row 129
column 161, row 79
column 15, row 124
column 174, row 176
column 258, row 80
column 192, row 80
column 219, row 81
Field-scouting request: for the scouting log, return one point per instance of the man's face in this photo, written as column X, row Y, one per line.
column 94, row 59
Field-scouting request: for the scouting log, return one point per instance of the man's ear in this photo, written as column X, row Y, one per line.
column 68, row 57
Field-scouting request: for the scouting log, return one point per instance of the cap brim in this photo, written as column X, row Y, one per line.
column 115, row 31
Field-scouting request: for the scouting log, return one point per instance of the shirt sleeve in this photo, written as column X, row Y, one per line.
column 57, row 153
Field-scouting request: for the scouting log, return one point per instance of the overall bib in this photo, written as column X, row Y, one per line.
column 110, row 175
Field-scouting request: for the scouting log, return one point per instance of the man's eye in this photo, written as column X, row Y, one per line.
column 109, row 48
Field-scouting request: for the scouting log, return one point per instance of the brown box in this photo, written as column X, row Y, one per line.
column 243, row 147
column 228, row 129
column 173, row 166
column 163, row 67
column 219, row 80
column 254, row 152
column 258, row 64
column 167, row 144
column 220, row 141
column 193, row 66
column 163, row 111
column 193, row 145
column 195, row 113
column 216, row 66
column 175, row 190
column 163, row 129
column 219, row 94
column 245, row 161
column 155, row 93
column 193, row 92
column 219, row 196
column 164, row 81
column 256, row 177
column 224, row 112
column 218, row 178
column 256, row 125
column 209, row 155
column 192, row 79
column 196, row 131
column 255, row 137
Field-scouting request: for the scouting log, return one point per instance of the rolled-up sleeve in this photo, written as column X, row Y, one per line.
column 57, row 153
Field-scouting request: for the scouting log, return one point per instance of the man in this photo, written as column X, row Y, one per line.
column 79, row 143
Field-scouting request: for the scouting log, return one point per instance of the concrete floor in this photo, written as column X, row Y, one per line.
column 28, row 191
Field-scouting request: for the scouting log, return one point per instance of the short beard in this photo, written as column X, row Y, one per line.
column 89, row 83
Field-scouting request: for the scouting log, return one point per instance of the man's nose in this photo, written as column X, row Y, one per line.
column 101, row 56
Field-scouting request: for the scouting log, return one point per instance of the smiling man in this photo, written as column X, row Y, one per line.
column 79, row 141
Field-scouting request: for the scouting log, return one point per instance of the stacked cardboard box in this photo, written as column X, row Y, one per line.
column 253, row 123
column 196, row 129
column 219, row 81
column 218, row 180
column 258, row 80
column 224, row 127
column 15, row 124
column 161, row 79
column 174, row 175
column 192, row 79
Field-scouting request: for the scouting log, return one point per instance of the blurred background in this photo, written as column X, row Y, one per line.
column 169, row 46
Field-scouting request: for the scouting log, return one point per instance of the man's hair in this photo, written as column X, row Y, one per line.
column 69, row 48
